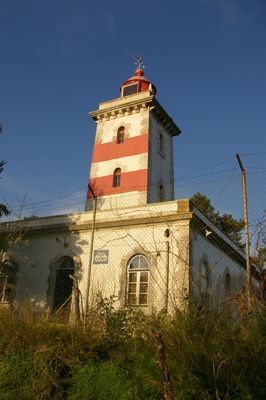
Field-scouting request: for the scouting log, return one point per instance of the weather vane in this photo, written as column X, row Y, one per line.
column 138, row 60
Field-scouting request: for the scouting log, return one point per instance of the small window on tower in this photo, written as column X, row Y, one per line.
column 117, row 177
column 161, row 143
column 161, row 193
column 120, row 135
column 129, row 89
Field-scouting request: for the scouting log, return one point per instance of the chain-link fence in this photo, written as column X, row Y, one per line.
column 152, row 256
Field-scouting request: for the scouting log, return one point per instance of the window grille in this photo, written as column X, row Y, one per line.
column 63, row 283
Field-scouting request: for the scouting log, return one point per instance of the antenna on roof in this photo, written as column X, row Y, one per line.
column 138, row 60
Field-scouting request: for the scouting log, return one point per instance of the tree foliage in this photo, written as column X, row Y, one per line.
column 225, row 222
column 3, row 212
column 3, row 209
column 260, row 258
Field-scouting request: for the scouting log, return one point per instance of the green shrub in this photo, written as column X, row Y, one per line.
column 209, row 356
column 214, row 356
column 17, row 376
column 101, row 381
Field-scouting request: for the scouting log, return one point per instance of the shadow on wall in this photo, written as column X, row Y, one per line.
column 51, row 262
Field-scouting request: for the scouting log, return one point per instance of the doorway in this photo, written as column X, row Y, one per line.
column 63, row 286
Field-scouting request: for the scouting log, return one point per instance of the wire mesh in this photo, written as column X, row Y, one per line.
column 158, row 256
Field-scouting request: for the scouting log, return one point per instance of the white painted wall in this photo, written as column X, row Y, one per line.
column 127, row 164
column 37, row 257
column 219, row 262
column 135, row 124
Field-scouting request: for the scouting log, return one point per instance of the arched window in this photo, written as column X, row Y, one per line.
column 120, row 135
column 63, row 284
column 138, row 280
column 8, row 274
column 205, row 282
column 117, row 177
column 227, row 284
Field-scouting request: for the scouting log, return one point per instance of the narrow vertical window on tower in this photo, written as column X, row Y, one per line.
column 117, row 177
column 160, row 146
column 120, row 135
column 161, row 193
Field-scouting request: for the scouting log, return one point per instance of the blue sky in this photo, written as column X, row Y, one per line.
column 60, row 58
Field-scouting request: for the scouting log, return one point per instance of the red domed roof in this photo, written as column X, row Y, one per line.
column 143, row 83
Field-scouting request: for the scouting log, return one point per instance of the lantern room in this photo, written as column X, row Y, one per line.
column 136, row 84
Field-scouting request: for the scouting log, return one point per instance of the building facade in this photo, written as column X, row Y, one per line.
column 133, row 149
column 134, row 243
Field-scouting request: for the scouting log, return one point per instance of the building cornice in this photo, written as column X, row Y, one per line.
column 134, row 104
column 70, row 227
column 220, row 240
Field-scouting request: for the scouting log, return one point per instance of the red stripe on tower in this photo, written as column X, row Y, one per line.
column 130, row 181
column 131, row 146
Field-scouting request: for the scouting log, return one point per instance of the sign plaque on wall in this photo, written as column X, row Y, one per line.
column 100, row 256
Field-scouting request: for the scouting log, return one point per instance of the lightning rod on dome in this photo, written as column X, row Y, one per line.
column 138, row 60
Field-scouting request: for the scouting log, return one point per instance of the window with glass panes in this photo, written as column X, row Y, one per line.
column 138, row 280
column 117, row 177
column 120, row 135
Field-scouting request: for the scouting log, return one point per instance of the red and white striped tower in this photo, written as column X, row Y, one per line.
column 132, row 162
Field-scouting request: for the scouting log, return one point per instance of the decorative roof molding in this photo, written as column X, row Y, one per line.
column 132, row 106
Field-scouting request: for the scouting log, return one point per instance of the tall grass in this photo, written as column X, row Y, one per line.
column 208, row 356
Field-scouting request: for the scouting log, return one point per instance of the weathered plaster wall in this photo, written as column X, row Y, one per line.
column 135, row 124
column 39, row 254
column 160, row 162
column 131, row 157
column 219, row 262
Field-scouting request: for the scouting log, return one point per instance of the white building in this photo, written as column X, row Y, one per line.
column 134, row 241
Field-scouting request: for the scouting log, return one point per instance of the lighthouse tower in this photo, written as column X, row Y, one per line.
column 132, row 161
